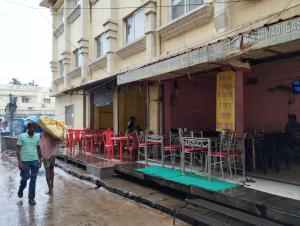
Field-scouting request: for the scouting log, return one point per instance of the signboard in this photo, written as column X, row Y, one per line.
column 278, row 33
column 225, row 109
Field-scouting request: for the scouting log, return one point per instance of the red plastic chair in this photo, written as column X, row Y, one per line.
column 70, row 139
column 86, row 140
column 78, row 138
column 132, row 146
column 108, row 143
column 98, row 141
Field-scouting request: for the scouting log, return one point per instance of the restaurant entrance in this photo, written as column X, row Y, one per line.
column 269, row 98
column 190, row 102
column 102, row 113
column 132, row 102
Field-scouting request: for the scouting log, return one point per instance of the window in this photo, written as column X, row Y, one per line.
column 47, row 101
column 76, row 58
column 61, row 16
column 101, row 43
column 69, row 115
column 25, row 99
column 61, row 67
column 181, row 7
column 135, row 26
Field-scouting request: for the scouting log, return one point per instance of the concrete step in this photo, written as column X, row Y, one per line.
column 243, row 217
column 194, row 218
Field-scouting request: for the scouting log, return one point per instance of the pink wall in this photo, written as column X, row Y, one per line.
column 195, row 105
column 267, row 110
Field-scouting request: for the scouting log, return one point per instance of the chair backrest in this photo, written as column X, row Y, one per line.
column 227, row 141
column 87, row 131
column 77, row 133
column 107, row 135
column 195, row 142
column 133, row 141
column 153, row 138
column 173, row 139
column 70, row 134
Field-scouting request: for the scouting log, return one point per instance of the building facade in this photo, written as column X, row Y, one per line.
column 30, row 100
column 200, row 64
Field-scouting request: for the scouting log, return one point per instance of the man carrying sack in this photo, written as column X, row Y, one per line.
column 52, row 135
column 48, row 149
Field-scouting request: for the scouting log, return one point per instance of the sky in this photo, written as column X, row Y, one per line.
column 25, row 42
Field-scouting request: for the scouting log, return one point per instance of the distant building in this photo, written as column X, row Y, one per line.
column 31, row 100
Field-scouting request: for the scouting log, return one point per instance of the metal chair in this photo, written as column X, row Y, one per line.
column 193, row 146
column 221, row 156
column 146, row 143
column 171, row 144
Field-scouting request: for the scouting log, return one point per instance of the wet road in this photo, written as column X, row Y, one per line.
column 74, row 203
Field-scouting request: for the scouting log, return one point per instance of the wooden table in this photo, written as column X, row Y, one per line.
column 122, row 140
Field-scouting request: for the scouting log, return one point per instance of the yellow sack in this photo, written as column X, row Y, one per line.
column 52, row 126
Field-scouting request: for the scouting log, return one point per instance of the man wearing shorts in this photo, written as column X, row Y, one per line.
column 48, row 149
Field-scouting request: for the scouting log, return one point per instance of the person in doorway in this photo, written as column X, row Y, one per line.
column 49, row 150
column 292, row 129
column 130, row 125
column 29, row 160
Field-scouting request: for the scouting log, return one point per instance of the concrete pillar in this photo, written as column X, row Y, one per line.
column 154, row 107
column 116, row 110
column 83, row 43
column 150, row 30
column 66, row 56
column 239, row 103
column 167, row 116
column 111, row 28
column 54, row 61
column 222, row 17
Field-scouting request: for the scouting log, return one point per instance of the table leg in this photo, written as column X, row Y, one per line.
column 121, row 150
column 92, row 145
column 209, row 160
column 253, row 155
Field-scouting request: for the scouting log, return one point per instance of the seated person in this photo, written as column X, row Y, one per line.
column 292, row 129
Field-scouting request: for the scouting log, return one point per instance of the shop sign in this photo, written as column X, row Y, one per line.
column 225, row 109
column 267, row 36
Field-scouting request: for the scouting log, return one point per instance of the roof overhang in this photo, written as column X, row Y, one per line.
column 268, row 41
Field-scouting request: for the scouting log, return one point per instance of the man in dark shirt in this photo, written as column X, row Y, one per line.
column 131, row 125
column 292, row 129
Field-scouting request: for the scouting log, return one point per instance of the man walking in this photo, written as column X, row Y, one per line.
column 48, row 150
column 29, row 158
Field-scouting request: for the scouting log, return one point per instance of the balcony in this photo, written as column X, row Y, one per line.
column 189, row 21
column 132, row 48
column 74, row 14
column 98, row 63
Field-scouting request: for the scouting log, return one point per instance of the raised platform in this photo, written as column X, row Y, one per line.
column 92, row 163
column 276, row 208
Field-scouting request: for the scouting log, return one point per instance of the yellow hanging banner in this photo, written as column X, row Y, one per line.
column 225, row 109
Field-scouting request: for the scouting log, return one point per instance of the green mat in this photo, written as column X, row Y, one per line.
column 176, row 175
